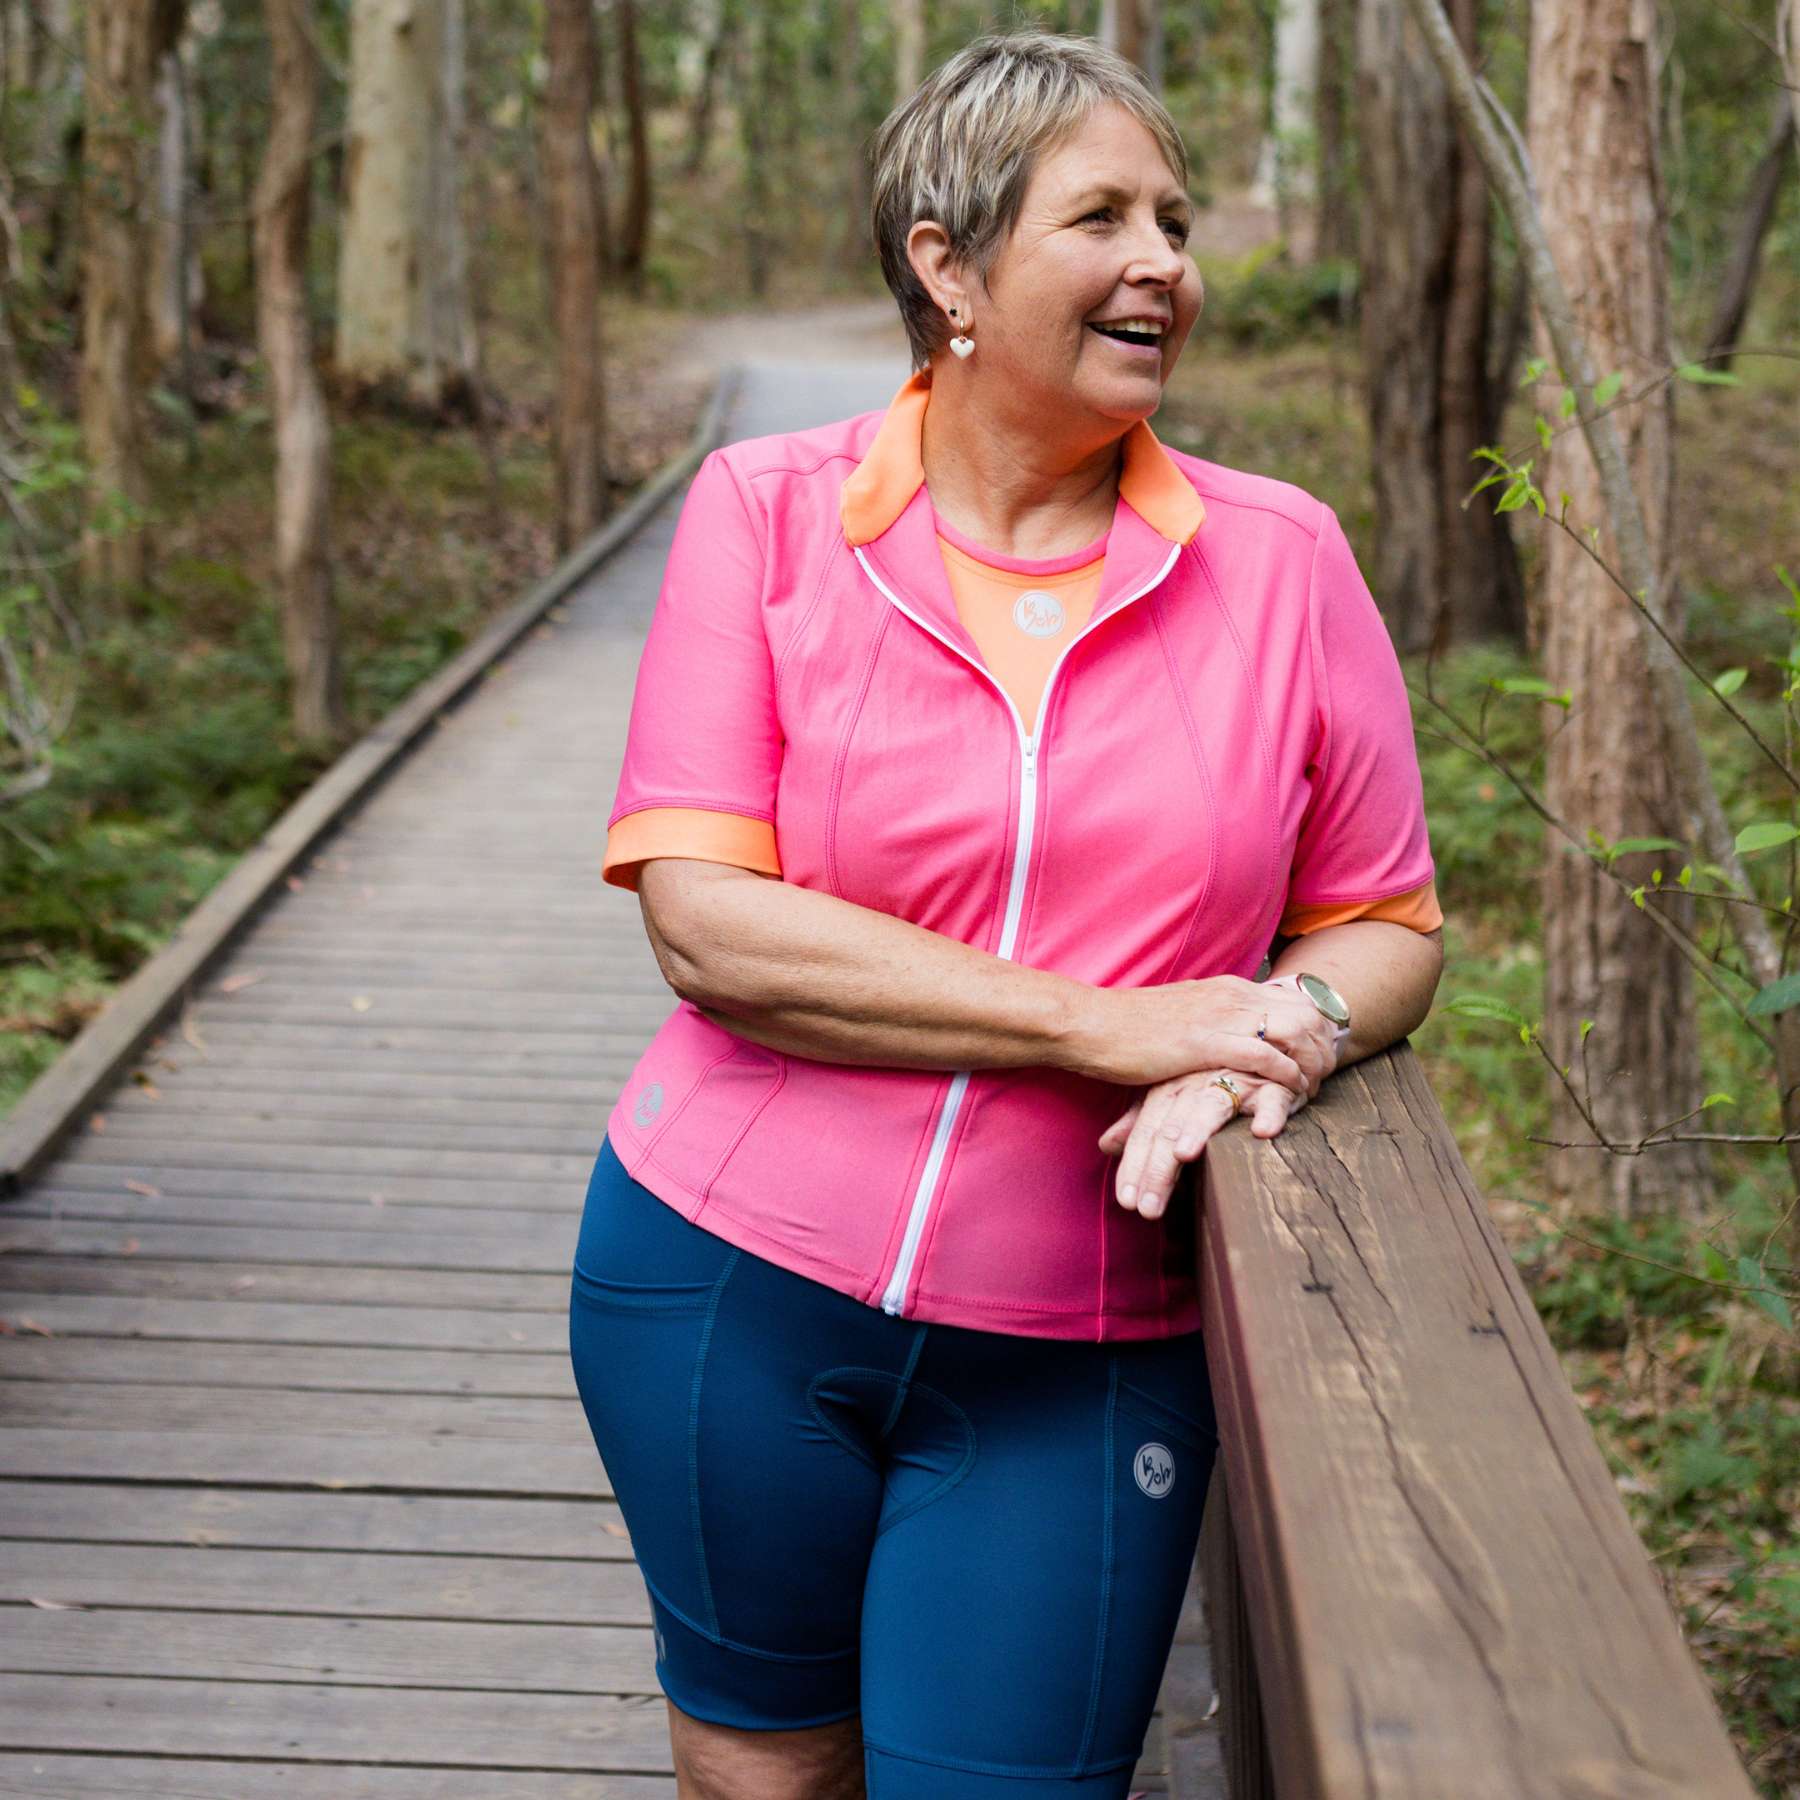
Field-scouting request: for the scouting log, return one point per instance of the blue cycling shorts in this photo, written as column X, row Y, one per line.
column 979, row 1541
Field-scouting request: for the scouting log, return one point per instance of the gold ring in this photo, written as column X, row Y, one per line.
column 1231, row 1087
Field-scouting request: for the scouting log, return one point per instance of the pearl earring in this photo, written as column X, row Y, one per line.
column 964, row 346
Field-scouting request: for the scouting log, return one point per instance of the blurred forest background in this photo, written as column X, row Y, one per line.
column 326, row 326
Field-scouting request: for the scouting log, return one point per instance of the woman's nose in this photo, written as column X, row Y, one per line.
column 1159, row 257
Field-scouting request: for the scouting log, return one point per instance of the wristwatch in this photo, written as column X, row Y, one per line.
column 1326, row 998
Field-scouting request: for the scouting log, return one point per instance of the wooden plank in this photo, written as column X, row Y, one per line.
column 421, row 1418
column 70, row 1179
column 278, row 1519
column 60, row 1777
column 251, row 1043
column 493, row 1375
column 518, row 1590
column 594, row 1733
column 211, row 1138
column 534, row 1248
column 570, row 1659
column 358, row 1213
column 138, row 1318
column 476, row 1290
column 439, row 1465
column 1444, row 1590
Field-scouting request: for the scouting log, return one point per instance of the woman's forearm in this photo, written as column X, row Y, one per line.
column 807, row 973
column 1387, row 974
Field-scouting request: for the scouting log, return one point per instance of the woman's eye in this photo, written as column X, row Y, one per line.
column 1180, row 230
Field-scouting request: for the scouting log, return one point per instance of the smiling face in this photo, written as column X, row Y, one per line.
column 1100, row 238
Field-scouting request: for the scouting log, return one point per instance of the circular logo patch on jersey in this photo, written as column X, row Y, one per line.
column 649, row 1104
column 1038, row 613
column 1154, row 1468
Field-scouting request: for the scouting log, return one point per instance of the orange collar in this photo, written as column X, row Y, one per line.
column 881, row 486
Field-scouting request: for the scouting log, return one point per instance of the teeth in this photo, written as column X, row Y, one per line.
column 1137, row 327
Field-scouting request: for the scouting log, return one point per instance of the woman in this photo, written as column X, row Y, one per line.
column 981, row 750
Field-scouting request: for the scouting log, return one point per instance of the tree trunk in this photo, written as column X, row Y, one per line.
column 1285, row 170
column 853, row 247
column 1753, row 226
column 571, row 205
column 1442, row 570
column 718, row 51
column 1334, row 230
column 1483, row 592
column 1594, row 148
column 174, row 285
column 634, row 232
column 909, row 47
column 753, row 85
column 1126, row 28
column 302, row 429
column 1787, row 34
column 405, row 328
column 124, row 41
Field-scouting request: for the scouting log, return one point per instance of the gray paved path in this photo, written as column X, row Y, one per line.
column 296, row 1496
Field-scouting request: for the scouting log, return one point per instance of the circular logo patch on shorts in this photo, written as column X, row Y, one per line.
column 1154, row 1468
column 649, row 1104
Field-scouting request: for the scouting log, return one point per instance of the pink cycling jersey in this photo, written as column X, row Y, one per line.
column 1223, row 749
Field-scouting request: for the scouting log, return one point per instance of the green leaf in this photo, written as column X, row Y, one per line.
column 1587, row 1025
column 1566, row 405
column 1607, row 389
column 1484, row 1006
column 1708, row 377
column 1521, row 684
column 1778, row 996
column 1628, row 844
column 1717, row 1100
column 1765, row 836
column 1752, row 1274
column 1545, row 434
column 1730, row 681
column 1713, row 1264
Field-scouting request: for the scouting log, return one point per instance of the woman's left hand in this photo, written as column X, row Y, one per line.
column 1169, row 1124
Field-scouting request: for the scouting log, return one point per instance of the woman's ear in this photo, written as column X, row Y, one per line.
column 928, row 250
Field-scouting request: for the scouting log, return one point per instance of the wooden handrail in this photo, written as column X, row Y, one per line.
column 1444, row 1596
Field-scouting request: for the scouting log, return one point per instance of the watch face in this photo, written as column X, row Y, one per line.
column 1326, row 998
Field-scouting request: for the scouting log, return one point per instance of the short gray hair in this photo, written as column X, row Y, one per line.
column 961, row 150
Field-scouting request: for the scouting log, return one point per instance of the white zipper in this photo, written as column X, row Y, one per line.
column 893, row 1297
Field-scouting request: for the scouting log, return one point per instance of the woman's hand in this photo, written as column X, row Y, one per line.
column 1170, row 1124
column 1139, row 1036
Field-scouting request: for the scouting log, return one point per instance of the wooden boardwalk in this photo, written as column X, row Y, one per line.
column 296, row 1496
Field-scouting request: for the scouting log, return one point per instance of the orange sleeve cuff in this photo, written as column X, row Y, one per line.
column 686, row 831
column 1418, row 907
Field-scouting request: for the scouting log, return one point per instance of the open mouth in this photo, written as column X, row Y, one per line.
column 1136, row 340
